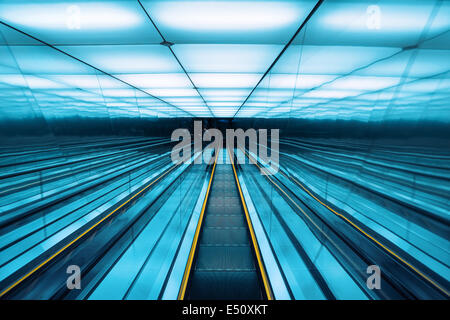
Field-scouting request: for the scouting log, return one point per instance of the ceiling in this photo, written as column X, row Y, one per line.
column 363, row 60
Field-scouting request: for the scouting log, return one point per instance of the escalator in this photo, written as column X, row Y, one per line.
column 225, row 264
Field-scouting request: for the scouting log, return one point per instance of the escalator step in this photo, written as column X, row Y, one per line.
column 223, row 210
column 224, row 236
column 224, row 257
column 221, row 200
column 212, row 220
column 224, row 184
column 237, row 285
column 225, row 266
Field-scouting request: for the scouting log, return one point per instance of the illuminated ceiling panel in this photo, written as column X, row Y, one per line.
column 372, row 58
column 227, row 58
column 127, row 59
column 234, row 22
column 216, row 58
column 80, row 22
column 226, row 66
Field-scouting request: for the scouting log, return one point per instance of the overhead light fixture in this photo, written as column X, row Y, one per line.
column 226, row 15
column 70, row 16
column 386, row 17
column 225, row 80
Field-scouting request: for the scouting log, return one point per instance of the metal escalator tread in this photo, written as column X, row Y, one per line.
column 224, row 267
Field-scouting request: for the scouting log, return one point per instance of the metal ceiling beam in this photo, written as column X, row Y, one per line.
column 281, row 53
column 169, row 45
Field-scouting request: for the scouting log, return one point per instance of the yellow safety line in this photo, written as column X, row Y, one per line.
column 356, row 227
column 253, row 237
column 187, row 270
column 370, row 237
column 81, row 235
